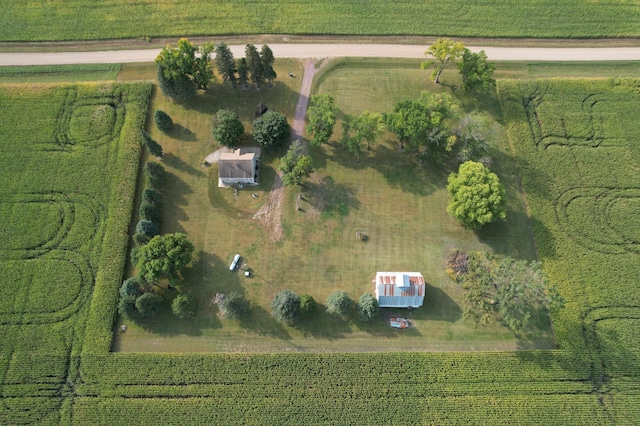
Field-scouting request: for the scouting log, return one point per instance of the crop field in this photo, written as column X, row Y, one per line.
column 67, row 157
column 24, row 20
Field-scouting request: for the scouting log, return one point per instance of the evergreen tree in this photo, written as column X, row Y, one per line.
column 267, row 63
column 243, row 71
column 154, row 147
column 255, row 65
column 226, row 64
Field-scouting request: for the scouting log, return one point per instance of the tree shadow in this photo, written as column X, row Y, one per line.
column 182, row 133
column 323, row 325
column 260, row 322
column 174, row 198
column 438, row 306
column 178, row 163
column 331, row 198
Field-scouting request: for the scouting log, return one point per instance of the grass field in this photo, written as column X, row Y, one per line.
column 59, row 73
column 65, row 206
column 83, row 20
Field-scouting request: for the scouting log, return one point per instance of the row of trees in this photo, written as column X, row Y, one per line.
column 289, row 308
column 184, row 69
column 270, row 128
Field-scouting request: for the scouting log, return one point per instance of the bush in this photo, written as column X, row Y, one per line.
column 234, row 306
column 139, row 239
column 368, row 307
column 184, row 306
column 153, row 147
column 339, row 303
column 271, row 130
column 307, row 306
column 148, row 305
column 127, row 307
column 149, row 212
column 151, row 196
column 131, row 287
column 154, row 174
column 147, row 228
column 285, row 307
column 261, row 109
column 163, row 121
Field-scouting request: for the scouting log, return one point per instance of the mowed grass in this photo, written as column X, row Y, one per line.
column 82, row 20
column 59, row 73
column 399, row 203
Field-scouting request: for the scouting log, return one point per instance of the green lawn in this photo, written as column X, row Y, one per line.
column 399, row 203
column 59, row 73
column 22, row 20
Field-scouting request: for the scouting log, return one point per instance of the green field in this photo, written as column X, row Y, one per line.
column 23, row 20
column 68, row 154
column 59, row 73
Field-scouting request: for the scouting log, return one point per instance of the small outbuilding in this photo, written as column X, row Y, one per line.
column 400, row 289
column 239, row 168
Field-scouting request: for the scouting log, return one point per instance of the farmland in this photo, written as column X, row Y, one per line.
column 59, row 20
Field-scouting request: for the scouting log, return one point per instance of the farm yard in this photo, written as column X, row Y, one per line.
column 82, row 20
column 574, row 142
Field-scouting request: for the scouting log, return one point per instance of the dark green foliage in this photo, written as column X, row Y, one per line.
column 254, row 65
column 285, row 307
column 147, row 228
column 127, row 307
column 266, row 55
column 261, row 109
column 151, row 196
column 148, row 305
column 339, row 303
column 476, row 72
column 164, row 257
column 154, row 175
column 295, row 166
column 307, row 306
column 227, row 128
column 149, row 212
column 243, row 71
column 271, row 130
column 153, row 147
column 140, row 239
column 356, row 131
column 131, row 287
column 476, row 196
column 234, row 306
column 184, row 306
column 184, row 69
column 163, row 121
column 225, row 63
column 507, row 288
column 368, row 307
column 322, row 118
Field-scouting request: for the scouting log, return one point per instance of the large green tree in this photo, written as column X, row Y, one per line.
column 184, row 68
column 225, row 63
column 322, row 118
column 254, row 65
column 234, row 306
column 153, row 147
column 476, row 72
column 505, row 288
column 184, row 306
column 424, row 126
column 148, row 305
column 477, row 196
column 295, row 165
column 227, row 127
column 266, row 55
column 363, row 129
column 285, row 306
column 368, row 308
column 243, row 71
column 339, row 303
column 271, row 129
column 164, row 257
column 442, row 51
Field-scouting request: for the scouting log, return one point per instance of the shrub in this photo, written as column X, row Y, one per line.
column 151, row 196
column 153, row 147
column 149, row 212
column 234, row 306
column 131, row 287
column 163, row 121
column 127, row 307
column 339, row 303
column 139, row 239
column 307, row 306
column 368, row 307
column 154, row 174
column 147, row 228
column 285, row 307
column 148, row 305
column 184, row 306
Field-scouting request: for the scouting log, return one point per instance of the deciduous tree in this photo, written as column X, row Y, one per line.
column 184, row 306
column 148, row 228
column 234, row 306
column 368, row 308
column 131, row 287
column 307, row 306
column 477, row 196
column 474, row 133
column 185, row 64
column 295, row 166
column 339, row 303
column 227, row 128
column 271, row 130
column 164, row 257
column 285, row 307
column 356, row 131
column 477, row 73
column 442, row 51
column 148, row 305
column 322, row 118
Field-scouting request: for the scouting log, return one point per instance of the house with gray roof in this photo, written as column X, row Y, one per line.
column 239, row 168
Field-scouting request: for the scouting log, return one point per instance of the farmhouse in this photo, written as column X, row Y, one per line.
column 399, row 289
column 239, row 168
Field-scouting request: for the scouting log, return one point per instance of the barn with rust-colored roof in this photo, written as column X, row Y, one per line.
column 400, row 289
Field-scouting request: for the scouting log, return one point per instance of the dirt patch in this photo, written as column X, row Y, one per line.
column 270, row 214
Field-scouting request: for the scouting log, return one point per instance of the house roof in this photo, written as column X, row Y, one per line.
column 237, row 164
column 400, row 289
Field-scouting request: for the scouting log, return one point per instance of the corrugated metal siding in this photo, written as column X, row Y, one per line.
column 390, row 295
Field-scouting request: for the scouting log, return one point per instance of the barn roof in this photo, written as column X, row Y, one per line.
column 400, row 289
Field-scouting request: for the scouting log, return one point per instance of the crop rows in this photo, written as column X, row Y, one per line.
column 81, row 20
